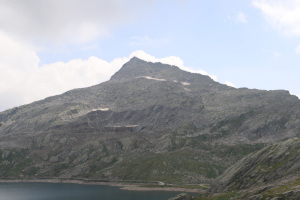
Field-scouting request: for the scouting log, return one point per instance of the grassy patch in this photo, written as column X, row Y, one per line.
column 14, row 163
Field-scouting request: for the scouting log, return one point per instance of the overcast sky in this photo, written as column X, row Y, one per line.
column 51, row 46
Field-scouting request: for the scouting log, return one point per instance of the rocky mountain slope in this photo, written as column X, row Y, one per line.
column 272, row 172
column 150, row 122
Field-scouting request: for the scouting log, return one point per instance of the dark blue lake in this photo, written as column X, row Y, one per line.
column 67, row 191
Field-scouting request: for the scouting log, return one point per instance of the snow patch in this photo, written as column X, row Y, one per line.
column 185, row 83
column 101, row 109
column 151, row 78
column 187, row 89
column 129, row 126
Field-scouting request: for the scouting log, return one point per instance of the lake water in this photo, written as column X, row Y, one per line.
column 67, row 191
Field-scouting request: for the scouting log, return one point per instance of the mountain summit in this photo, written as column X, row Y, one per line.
column 140, row 68
column 137, row 68
column 150, row 122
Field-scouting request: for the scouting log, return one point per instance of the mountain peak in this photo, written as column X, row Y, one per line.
column 136, row 68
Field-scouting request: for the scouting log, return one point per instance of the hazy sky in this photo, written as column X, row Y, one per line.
column 51, row 46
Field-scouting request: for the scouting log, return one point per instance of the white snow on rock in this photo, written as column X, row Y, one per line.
column 185, row 83
column 128, row 126
column 151, row 78
column 101, row 109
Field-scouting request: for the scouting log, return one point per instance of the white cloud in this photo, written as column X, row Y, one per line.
column 241, row 17
column 76, row 21
column 283, row 15
column 298, row 49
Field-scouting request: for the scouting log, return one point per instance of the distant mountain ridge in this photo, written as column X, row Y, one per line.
column 150, row 122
